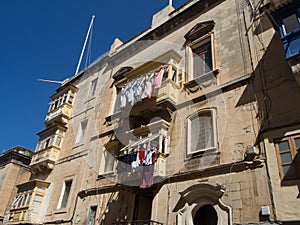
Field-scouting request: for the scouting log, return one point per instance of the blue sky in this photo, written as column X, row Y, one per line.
column 43, row 39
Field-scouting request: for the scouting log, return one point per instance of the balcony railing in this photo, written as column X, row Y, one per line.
column 138, row 222
column 291, row 44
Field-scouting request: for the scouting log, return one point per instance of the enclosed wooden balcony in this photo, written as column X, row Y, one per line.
column 145, row 155
column 48, row 148
column 59, row 115
column 28, row 206
column 60, row 108
column 45, row 158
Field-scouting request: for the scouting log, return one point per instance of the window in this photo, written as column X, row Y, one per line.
column 202, row 59
column 63, row 200
column 93, row 87
column 81, row 131
column 200, row 49
column 37, row 200
column 70, row 100
column 92, row 215
column 201, row 132
column 288, row 157
column 23, row 198
column 109, row 157
column 58, row 141
column 109, row 160
column 290, row 23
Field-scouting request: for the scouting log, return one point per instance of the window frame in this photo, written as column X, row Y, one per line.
column 294, row 153
column 93, row 87
column 201, row 55
column 200, row 35
column 110, row 149
column 212, row 112
column 81, row 132
column 90, row 214
column 62, row 194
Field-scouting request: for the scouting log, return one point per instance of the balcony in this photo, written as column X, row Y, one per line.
column 291, row 43
column 145, row 155
column 60, row 108
column 45, row 158
column 138, row 222
column 159, row 85
column 25, row 215
column 27, row 208
column 168, row 92
column 59, row 115
column 286, row 14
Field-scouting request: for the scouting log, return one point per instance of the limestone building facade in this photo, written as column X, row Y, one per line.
column 14, row 169
column 193, row 121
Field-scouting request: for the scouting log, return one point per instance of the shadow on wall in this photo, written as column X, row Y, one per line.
column 129, row 204
column 274, row 88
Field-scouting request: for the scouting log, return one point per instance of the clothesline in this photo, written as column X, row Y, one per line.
column 141, row 88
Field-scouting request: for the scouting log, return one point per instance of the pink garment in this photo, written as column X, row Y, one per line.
column 158, row 78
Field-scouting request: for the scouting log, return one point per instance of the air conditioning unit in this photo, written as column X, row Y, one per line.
column 251, row 152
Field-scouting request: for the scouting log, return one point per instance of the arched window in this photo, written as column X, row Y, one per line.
column 206, row 215
column 201, row 131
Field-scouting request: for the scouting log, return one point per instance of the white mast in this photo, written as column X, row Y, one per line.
column 86, row 38
column 51, row 81
column 170, row 2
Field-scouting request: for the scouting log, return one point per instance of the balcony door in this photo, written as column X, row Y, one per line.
column 143, row 206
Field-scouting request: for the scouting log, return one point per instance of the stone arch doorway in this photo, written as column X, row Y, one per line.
column 206, row 215
column 201, row 204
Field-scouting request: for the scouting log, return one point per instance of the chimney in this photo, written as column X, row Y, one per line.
column 115, row 45
column 161, row 16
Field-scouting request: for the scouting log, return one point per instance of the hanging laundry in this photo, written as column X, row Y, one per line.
column 141, row 155
column 130, row 95
column 157, row 78
column 123, row 98
column 148, row 158
column 148, row 87
column 147, row 175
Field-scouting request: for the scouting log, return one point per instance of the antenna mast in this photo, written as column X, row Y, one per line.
column 51, row 81
column 86, row 38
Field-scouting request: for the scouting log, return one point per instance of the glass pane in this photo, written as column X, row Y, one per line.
column 208, row 61
column 67, row 190
column 283, row 146
column 41, row 189
column 297, row 143
column 38, row 198
column 28, row 198
column 290, row 23
column 201, row 133
column 58, row 141
column 289, row 170
column 109, row 161
column 286, row 157
column 70, row 99
column 36, row 204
